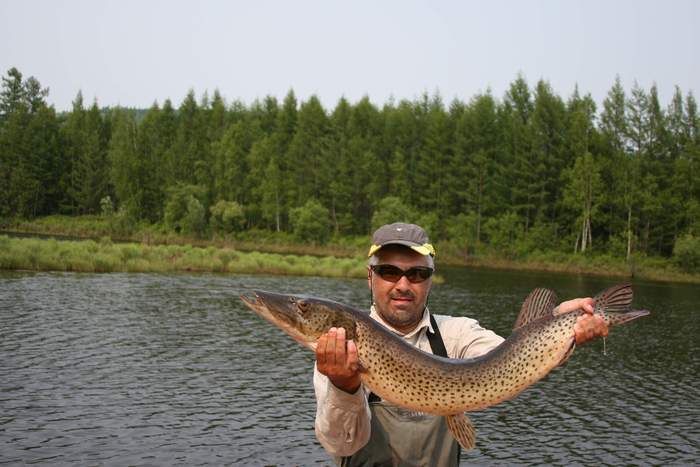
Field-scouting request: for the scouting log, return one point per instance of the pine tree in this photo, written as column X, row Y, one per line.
column 28, row 147
column 73, row 134
column 13, row 95
column 582, row 187
column 307, row 153
column 126, row 172
column 550, row 157
column 521, row 168
column 475, row 161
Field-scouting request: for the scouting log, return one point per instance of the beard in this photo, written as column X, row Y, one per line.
column 401, row 316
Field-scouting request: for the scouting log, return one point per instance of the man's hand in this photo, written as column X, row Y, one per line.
column 338, row 361
column 588, row 326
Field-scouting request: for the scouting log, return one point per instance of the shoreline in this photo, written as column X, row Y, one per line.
column 42, row 251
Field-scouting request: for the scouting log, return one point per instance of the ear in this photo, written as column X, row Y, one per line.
column 369, row 277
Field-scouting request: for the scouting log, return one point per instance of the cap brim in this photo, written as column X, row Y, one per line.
column 425, row 250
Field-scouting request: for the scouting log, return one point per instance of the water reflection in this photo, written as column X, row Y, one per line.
column 172, row 369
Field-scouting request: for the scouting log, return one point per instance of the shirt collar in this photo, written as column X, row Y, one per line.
column 423, row 323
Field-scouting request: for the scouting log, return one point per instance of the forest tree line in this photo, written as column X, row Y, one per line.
column 530, row 169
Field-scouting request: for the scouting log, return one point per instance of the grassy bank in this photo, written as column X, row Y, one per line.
column 105, row 256
column 280, row 253
column 96, row 227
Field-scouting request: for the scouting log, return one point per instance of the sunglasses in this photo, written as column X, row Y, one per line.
column 392, row 273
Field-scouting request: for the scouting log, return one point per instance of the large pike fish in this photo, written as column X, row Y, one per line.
column 406, row 376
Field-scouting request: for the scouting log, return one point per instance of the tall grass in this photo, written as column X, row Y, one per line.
column 105, row 256
column 160, row 250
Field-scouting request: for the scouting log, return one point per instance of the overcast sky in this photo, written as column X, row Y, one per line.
column 135, row 52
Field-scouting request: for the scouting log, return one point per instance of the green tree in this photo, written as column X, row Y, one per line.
column 474, row 168
column 190, row 149
column 231, row 164
column 152, row 148
column 686, row 253
column 521, row 168
column 306, row 156
column 227, row 217
column 502, row 233
column 93, row 164
column 29, row 148
column 311, row 223
column 266, row 192
column 391, row 209
column 432, row 165
column 582, row 185
column 13, row 94
column 184, row 210
column 622, row 168
column 126, row 169
column 549, row 155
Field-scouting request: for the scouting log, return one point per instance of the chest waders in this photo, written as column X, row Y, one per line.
column 402, row 437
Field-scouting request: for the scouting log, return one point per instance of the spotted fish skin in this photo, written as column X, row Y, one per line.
column 406, row 376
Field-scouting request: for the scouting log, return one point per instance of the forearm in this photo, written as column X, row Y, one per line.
column 342, row 420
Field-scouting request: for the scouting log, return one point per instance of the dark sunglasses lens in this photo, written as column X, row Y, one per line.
column 388, row 272
column 418, row 274
column 392, row 273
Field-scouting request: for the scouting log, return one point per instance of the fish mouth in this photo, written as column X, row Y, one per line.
column 280, row 310
column 273, row 305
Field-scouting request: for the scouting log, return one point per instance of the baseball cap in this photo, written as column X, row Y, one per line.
column 410, row 235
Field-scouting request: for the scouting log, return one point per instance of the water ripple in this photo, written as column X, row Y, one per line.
column 137, row 369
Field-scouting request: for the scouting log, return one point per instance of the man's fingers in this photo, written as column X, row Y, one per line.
column 321, row 350
column 330, row 348
column 335, row 355
column 340, row 347
column 353, row 360
column 589, row 326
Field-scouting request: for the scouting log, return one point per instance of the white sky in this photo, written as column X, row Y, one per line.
column 135, row 52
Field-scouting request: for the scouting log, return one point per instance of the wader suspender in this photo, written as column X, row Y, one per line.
column 436, row 345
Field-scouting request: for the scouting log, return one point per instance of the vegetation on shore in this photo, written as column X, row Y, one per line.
column 104, row 256
column 156, row 250
column 528, row 180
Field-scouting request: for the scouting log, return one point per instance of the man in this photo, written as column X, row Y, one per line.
column 358, row 428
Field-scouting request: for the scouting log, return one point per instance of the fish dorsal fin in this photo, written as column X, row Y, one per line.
column 616, row 299
column 539, row 303
column 462, row 429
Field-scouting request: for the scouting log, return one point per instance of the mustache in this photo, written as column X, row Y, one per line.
column 407, row 294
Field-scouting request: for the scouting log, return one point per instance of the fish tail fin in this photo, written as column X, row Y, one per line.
column 615, row 304
column 462, row 429
column 615, row 299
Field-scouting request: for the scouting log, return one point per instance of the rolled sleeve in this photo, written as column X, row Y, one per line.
column 342, row 420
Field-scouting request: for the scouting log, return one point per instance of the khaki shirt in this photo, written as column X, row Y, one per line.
column 343, row 420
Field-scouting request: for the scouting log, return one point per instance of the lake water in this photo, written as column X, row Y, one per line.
column 146, row 369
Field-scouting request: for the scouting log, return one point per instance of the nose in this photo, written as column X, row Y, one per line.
column 403, row 283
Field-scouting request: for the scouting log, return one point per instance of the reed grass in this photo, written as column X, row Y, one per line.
column 277, row 253
column 104, row 256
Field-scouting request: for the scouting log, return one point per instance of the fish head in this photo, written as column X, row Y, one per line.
column 303, row 318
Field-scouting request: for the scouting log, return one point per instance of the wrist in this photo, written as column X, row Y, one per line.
column 345, row 385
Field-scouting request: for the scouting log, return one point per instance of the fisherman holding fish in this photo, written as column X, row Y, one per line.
column 356, row 426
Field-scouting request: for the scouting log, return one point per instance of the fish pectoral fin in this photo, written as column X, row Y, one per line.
column 568, row 353
column 462, row 429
